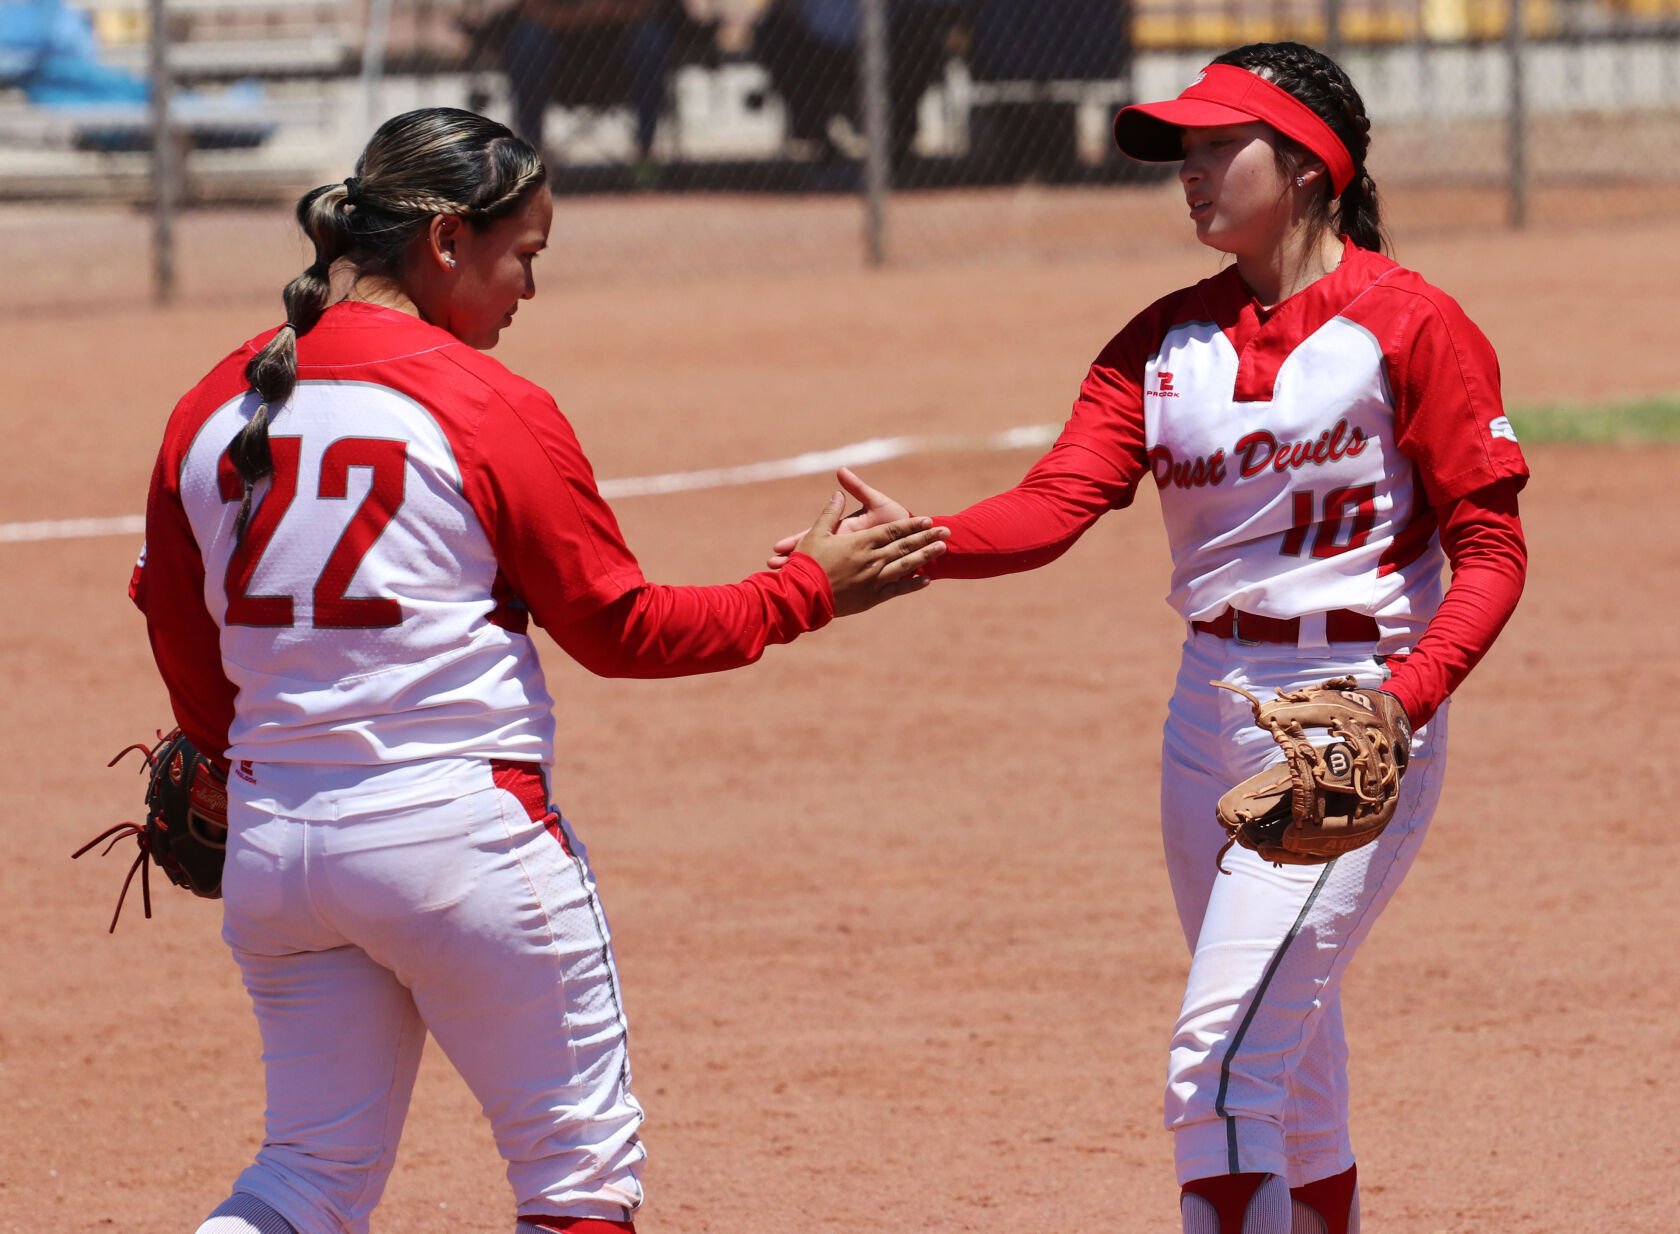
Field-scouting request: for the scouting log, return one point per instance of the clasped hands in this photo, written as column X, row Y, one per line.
column 871, row 555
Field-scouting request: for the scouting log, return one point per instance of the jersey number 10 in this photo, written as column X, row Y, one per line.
column 333, row 609
column 1355, row 507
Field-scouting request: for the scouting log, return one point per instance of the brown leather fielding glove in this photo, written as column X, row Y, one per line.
column 185, row 830
column 1324, row 799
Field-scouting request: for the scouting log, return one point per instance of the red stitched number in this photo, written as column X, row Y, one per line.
column 333, row 609
column 245, row 609
column 387, row 458
column 1359, row 500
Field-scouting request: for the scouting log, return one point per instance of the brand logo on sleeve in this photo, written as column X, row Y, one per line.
column 1163, row 385
column 1500, row 426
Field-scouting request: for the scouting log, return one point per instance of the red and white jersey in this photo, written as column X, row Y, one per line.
column 1300, row 453
column 425, row 504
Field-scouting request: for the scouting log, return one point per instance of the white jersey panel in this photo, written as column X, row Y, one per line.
column 1292, row 506
column 354, row 615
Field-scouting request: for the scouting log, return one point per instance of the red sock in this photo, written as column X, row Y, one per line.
column 1229, row 1194
column 1331, row 1198
column 580, row 1225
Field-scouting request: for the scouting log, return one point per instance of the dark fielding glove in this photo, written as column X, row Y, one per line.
column 185, row 830
column 1326, row 799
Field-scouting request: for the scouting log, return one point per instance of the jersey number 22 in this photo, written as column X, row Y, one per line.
column 333, row 609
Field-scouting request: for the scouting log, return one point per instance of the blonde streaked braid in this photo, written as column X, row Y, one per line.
column 423, row 205
column 429, row 205
column 521, row 185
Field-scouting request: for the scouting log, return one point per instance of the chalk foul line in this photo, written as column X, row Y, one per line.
column 815, row 462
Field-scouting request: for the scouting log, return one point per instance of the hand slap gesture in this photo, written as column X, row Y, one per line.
column 875, row 509
column 875, row 564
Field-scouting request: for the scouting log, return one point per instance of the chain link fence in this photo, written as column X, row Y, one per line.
column 697, row 137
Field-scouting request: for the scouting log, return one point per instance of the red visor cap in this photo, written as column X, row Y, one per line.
column 1224, row 94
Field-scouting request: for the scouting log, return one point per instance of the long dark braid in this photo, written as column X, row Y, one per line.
column 437, row 160
column 1320, row 83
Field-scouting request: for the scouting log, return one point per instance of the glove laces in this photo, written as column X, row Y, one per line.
column 120, row 832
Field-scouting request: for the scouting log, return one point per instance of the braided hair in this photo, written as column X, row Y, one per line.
column 437, row 160
column 1324, row 87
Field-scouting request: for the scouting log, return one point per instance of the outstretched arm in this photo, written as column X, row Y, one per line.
column 1039, row 519
column 1029, row 526
column 656, row 631
column 1095, row 466
column 661, row 631
column 563, row 558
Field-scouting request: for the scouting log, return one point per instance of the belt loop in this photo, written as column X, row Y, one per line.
column 1315, row 631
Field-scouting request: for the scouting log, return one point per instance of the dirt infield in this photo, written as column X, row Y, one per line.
column 890, row 959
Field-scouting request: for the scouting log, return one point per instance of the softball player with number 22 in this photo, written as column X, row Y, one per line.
column 1325, row 432
column 353, row 522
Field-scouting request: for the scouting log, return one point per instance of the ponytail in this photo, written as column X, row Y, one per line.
column 272, row 372
column 1358, row 216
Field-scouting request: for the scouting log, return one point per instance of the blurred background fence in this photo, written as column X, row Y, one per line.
column 703, row 136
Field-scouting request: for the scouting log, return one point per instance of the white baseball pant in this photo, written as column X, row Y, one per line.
column 1257, row 1073
column 368, row 905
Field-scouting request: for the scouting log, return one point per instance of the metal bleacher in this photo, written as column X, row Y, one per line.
column 224, row 40
column 240, row 69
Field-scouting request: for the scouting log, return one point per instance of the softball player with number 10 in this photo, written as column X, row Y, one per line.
column 1325, row 432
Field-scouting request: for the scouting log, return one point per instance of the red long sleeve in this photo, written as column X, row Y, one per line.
column 1483, row 540
column 167, row 585
column 1095, row 466
column 1036, row 521
column 662, row 631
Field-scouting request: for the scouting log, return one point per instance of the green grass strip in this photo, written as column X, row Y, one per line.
column 1643, row 421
